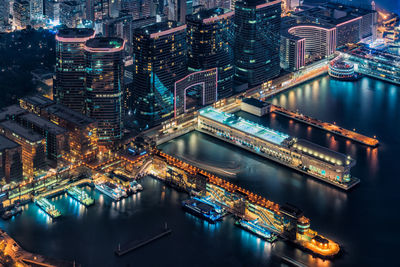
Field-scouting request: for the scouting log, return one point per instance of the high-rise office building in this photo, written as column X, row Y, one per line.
column 36, row 9
column 104, row 86
column 4, row 12
column 178, row 9
column 159, row 52
column 114, row 8
column 139, row 8
column 257, row 40
column 210, row 45
column 70, row 13
column 52, row 10
column 69, row 83
column 21, row 14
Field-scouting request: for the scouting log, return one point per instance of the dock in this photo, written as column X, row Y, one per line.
column 80, row 195
column 329, row 127
column 131, row 246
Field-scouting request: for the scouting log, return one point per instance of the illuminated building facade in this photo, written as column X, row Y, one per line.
column 292, row 52
column 82, row 131
column 138, row 8
column 206, row 80
column 352, row 23
column 69, row 84
column 305, row 43
column 52, row 10
column 21, row 14
column 257, row 41
column 55, row 136
column 36, row 9
column 159, row 52
column 372, row 62
column 35, row 104
column 33, row 146
column 105, row 86
column 10, row 160
column 178, row 9
column 301, row 155
column 210, row 45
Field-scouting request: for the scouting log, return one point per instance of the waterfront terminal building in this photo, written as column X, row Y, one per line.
column 301, row 155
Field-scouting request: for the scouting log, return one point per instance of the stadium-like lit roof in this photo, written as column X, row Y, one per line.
column 243, row 125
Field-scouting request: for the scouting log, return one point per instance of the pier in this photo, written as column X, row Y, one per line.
column 131, row 246
column 332, row 128
column 244, row 204
column 80, row 195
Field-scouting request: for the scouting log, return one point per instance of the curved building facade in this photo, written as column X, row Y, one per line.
column 320, row 41
column 257, row 40
column 104, row 86
column 210, row 40
column 341, row 70
column 69, row 84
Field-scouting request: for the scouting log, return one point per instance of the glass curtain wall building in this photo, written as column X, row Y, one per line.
column 159, row 52
column 69, row 84
column 104, row 86
column 210, row 45
column 257, row 40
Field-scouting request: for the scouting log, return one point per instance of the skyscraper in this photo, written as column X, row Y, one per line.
column 210, row 40
column 36, row 9
column 21, row 14
column 178, row 9
column 104, row 86
column 159, row 52
column 257, row 40
column 69, row 84
column 52, row 10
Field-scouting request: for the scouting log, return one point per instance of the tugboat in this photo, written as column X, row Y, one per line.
column 10, row 213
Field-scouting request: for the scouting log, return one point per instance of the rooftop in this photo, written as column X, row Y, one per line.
column 160, row 28
column 38, row 101
column 13, row 110
column 69, row 115
column 105, row 43
column 6, row 143
column 255, row 102
column 333, row 13
column 75, row 33
column 204, row 14
column 41, row 122
column 25, row 133
column 245, row 126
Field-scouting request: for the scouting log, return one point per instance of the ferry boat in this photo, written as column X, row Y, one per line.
column 111, row 190
column 47, row 207
column 80, row 195
column 202, row 209
column 254, row 228
column 10, row 213
column 136, row 186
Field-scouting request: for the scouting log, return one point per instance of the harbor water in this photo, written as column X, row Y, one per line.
column 363, row 220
